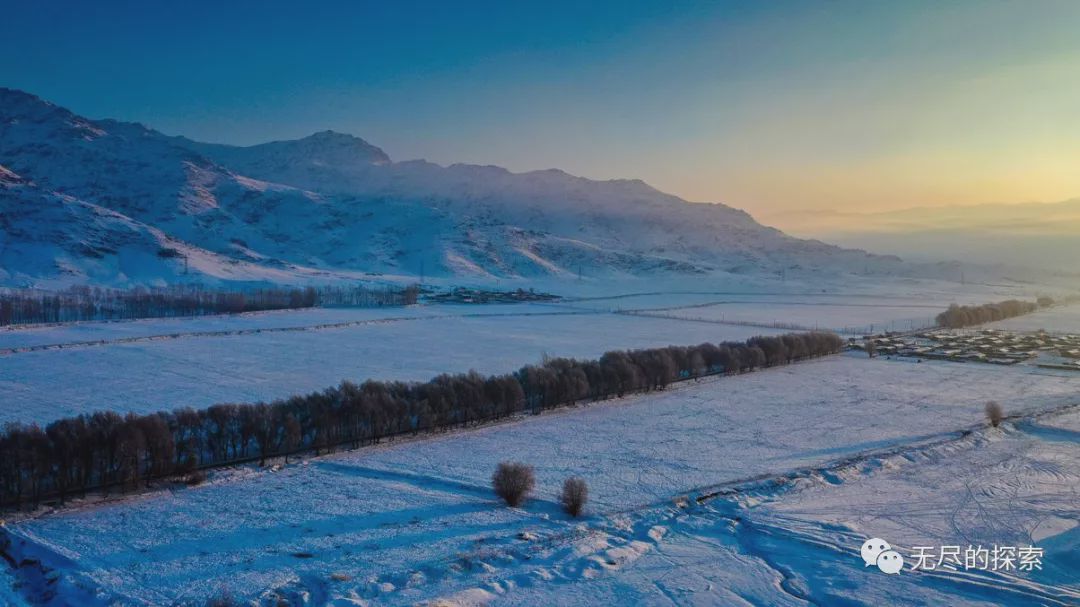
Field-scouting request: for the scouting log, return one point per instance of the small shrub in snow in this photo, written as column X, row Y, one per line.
column 223, row 598
column 574, row 495
column 994, row 413
column 513, row 481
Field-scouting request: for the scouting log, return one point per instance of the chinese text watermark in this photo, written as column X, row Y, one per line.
column 876, row 551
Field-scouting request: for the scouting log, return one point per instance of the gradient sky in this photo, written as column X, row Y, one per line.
column 767, row 106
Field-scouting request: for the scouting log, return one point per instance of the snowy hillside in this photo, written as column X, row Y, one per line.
column 48, row 239
column 110, row 202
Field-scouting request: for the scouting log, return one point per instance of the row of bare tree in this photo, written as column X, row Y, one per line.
column 965, row 316
column 94, row 303
column 107, row 451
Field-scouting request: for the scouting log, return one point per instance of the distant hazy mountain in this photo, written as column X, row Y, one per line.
column 111, row 202
column 1038, row 235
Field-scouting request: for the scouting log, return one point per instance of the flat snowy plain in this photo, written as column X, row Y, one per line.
column 851, row 313
column 794, row 467
column 143, row 369
column 415, row 521
column 1058, row 319
column 50, row 372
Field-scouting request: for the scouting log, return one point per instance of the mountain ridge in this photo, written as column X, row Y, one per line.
column 334, row 206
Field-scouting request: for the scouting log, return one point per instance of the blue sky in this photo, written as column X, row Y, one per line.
column 768, row 106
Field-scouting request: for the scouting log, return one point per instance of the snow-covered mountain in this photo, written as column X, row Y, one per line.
column 49, row 238
column 110, row 202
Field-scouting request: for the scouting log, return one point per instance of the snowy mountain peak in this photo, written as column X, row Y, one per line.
column 20, row 108
column 323, row 149
column 334, row 145
column 12, row 100
column 330, row 136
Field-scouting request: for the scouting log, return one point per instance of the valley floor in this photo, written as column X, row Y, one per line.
column 1058, row 319
column 748, row 490
column 812, row 457
column 160, row 364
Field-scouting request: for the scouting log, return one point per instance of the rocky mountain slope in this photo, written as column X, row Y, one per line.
column 108, row 202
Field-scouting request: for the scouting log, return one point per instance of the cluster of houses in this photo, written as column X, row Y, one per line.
column 986, row 345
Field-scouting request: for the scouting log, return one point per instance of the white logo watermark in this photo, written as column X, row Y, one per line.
column 876, row 551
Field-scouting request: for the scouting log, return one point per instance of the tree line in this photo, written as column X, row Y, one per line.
column 108, row 451
column 965, row 316
column 95, row 303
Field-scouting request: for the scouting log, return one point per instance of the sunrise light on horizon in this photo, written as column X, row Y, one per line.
column 772, row 108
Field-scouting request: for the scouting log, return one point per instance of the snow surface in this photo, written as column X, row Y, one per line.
column 798, row 542
column 835, row 313
column 1058, row 319
column 794, row 307
column 845, row 308
column 18, row 337
column 54, row 371
column 415, row 520
column 161, row 373
column 9, row 595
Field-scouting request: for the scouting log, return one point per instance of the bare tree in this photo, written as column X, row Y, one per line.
column 963, row 316
column 106, row 451
column 292, row 436
column 513, row 481
column 20, row 306
column 574, row 495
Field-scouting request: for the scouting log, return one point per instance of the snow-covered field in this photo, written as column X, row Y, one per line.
column 9, row 596
column 798, row 307
column 165, row 373
column 1058, row 319
column 797, row 542
column 414, row 521
column 148, row 365
column 845, row 318
column 846, row 313
column 17, row 337
column 807, row 460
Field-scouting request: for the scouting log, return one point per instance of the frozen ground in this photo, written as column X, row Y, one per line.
column 805, row 307
column 415, row 521
column 845, row 318
column 797, row 542
column 85, row 333
column 148, row 365
column 846, row 314
column 1058, row 319
column 164, row 373
column 9, row 596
